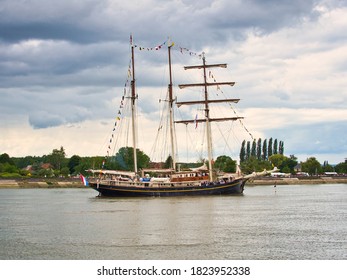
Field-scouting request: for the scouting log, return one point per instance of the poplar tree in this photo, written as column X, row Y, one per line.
column 259, row 149
column 275, row 151
column 269, row 149
column 265, row 150
column 248, row 150
column 254, row 149
column 281, row 148
column 243, row 151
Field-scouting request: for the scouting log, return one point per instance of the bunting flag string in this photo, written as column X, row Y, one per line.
column 210, row 74
column 242, row 124
column 169, row 43
column 156, row 48
column 183, row 50
column 119, row 114
column 196, row 121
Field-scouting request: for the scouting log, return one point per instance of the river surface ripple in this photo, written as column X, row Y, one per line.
column 287, row 222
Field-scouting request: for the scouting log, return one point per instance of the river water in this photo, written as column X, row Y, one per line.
column 301, row 222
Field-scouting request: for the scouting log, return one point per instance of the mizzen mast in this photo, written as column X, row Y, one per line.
column 171, row 101
column 206, row 103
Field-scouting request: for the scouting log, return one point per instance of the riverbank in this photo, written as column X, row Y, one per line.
column 76, row 182
column 41, row 183
column 315, row 180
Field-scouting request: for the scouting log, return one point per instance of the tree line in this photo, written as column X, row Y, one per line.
column 254, row 156
column 259, row 155
column 261, row 150
column 57, row 164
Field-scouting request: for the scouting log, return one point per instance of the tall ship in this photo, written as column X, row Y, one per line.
column 166, row 182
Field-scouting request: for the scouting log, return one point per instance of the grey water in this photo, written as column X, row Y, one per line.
column 298, row 222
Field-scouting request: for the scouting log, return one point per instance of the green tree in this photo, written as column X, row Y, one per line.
column 65, row 171
column 5, row 158
column 286, row 169
column 254, row 149
column 248, row 150
column 283, row 163
column 265, row 150
column 281, row 148
column 289, row 163
column 8, row 168
column 243, row 151
column 327, row 167
column 259, row 149
column 74, row 161
column 341, row 168
column 275, row 151
column 254, row 165
column 277, row 160
column 311, row 166
column 23, row 162
column 269, row 149
column 168, row 163
column 45, row 173
column 225, row 164
column 56, row 158
column 125, row 159
column 90, row 163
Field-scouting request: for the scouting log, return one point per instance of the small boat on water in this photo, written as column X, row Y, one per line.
column 200, row 181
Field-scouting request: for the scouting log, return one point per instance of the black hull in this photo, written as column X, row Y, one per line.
column 233, row 188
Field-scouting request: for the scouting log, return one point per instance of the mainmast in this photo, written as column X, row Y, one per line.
column 206, row 103
column 133, row 106
column 171, row 101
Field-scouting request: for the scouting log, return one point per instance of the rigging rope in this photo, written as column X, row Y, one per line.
column 230, row 104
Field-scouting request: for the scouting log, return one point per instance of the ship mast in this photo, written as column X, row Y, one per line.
column 133, row 107
column 171, row 101
column 206, row 103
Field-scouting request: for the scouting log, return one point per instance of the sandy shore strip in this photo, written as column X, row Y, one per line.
column 76, row 183
column 40, row 183
column 298, row 181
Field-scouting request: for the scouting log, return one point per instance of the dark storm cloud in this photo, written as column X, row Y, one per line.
column 95, row 21
column 14, row 32
column 57, row 63
column 69, row 48
column 62, row 20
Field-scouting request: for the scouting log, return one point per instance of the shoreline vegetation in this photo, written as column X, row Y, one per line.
column 50, row 183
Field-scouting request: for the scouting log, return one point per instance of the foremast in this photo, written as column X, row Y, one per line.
column 133, row 106
column 206, row 103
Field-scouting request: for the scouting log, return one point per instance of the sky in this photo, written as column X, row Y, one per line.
column 63, row 65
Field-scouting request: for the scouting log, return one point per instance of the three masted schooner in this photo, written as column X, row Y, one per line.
column 172, row 182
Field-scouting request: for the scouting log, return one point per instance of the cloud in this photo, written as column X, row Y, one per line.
column 63, row 64
column 56, row 106
column 95, row 21
column 74, row 21
column 314, row 139
column 42, row 119
column 53, row 63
